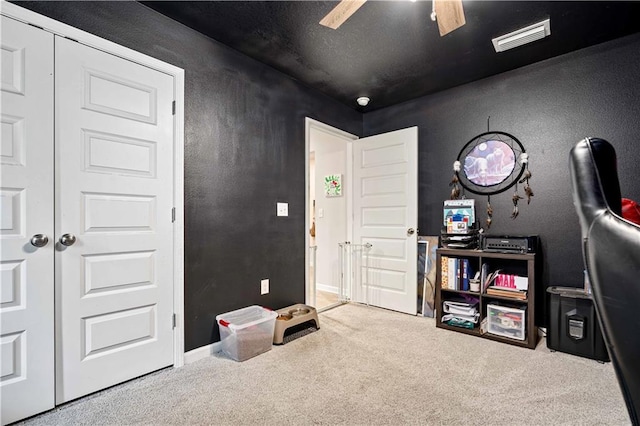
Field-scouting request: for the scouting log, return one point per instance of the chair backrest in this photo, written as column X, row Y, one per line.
column 611, row 252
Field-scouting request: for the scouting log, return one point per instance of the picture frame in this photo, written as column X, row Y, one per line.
column 333, row 185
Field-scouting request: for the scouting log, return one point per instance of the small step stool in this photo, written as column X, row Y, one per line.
column 291, row 316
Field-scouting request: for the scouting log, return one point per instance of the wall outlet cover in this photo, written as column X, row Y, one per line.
column 264, row 286
column 283, row 209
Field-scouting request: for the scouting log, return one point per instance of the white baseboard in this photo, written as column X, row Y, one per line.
column 202, row 352
column 327, row 288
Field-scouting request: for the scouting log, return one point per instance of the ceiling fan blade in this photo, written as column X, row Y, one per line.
column 341, row 13
column 449, row 14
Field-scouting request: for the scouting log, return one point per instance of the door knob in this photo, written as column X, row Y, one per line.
column 39, row 240
column 411, row 231
column 67, row 239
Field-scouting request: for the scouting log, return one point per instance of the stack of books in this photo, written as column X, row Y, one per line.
column 455, row 273
column 511, row 293
column 506, row 285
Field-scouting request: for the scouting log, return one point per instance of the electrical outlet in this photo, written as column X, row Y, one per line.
column 264, row 286
column 282, row 209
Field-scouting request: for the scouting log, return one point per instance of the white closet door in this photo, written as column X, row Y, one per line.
column 385, row 206
column 26, row 204
column 114, row 156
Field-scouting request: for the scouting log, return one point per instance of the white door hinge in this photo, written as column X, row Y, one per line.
column 174, row 320
column 173, row 214
column 173, row 108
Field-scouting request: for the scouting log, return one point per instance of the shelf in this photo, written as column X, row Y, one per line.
column 506, row 299
column 523, row 343
column 470, row 293
column 486, row 254
column 522, row 264
column 473, row 331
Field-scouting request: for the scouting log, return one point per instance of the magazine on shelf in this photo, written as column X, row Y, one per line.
column 487, row 278
column 512, row 281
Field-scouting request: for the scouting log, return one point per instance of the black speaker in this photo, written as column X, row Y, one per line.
column 572, row 326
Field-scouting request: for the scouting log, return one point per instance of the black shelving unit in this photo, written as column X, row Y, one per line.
column 512, row 263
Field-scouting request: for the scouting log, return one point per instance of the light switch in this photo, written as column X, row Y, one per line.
column 283, row 209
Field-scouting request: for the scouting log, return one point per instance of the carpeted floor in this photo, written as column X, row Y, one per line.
column 366, row 366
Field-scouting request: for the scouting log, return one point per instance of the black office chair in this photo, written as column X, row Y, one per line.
column 611, row 252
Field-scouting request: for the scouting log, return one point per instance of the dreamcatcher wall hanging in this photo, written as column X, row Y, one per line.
column 489, row 164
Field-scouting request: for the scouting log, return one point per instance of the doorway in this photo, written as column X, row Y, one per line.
column 328, row 157
column 363, row 239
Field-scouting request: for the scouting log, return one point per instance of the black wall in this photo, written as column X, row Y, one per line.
column 244, row 151
column 548, row 106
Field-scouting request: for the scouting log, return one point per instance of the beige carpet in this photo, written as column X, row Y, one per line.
column 367, row 366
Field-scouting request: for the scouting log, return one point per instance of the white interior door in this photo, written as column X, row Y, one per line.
column 114, row 156
column 26, row 204
column 385, row 210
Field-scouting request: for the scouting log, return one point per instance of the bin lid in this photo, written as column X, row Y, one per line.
column 575, row 292
column 245, row 317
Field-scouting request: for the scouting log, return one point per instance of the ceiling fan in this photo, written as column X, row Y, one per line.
column 449, row 14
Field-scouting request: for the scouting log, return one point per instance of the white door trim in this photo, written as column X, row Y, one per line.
column 16, row 12
column 310, row 123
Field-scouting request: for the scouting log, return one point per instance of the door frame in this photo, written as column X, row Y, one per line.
column 18, row 13
column 309, row 124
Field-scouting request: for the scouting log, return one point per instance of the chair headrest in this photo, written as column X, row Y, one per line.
column 594, row 176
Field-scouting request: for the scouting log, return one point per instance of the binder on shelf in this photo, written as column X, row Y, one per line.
column 444, row 272
column 452, row 273
column 465, row 274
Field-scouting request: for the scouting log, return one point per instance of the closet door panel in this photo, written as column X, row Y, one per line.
column 26, row 210
column 114, row 163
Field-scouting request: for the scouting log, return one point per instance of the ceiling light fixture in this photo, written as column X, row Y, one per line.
column 363, row 101
column 522, row 36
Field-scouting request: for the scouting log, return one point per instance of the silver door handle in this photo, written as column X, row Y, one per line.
column 39, row 240
column 411, row 231
column 67, row 239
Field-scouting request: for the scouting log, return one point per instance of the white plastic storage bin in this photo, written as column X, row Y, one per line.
column 506, row 322
column 246, row 332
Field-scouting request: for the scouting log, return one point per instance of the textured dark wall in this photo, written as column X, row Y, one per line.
column 244, row 151
column 548, row 106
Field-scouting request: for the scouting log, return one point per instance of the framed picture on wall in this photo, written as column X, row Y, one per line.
column 333, row 185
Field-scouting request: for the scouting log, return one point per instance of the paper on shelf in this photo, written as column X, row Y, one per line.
column 471, row 318
column 459, row 308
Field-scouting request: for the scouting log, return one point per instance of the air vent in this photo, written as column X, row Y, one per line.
column 522, row 36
